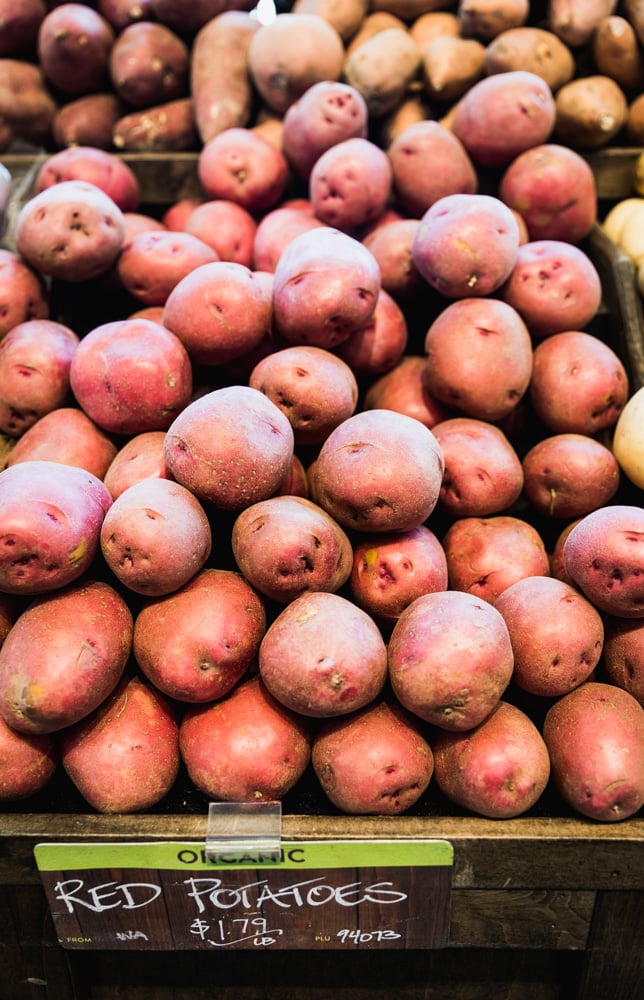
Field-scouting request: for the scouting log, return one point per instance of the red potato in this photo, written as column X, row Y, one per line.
column 278, row 227
column 176, row 215
column 88, row 120
column 287, row 545
column 553, row 188
column 195, row 644
column 219, row 311
column 139, row 222
column 579, row 383
column 379, row 471
column 10, row 608
column 375, row 762
column 557, row 635
column 227, row 227
column 149, row 64
column 417, row 188
column 27, row 106
column 20, row 23
column 483, row 472
column 326, row 113
column 50, row 522
column 152, row 263
column 499, row 769
column 466, row 245
column 66, row 434
column 595, row 738
column 479, row 357
column 28, row 762
column 296, row 483
column 72, row 231
column 131, row 375
column 35, row 358
column 124, row 757
column 391, row 245
column 247, row 747
column 64, row 655
column 502, row 115
column 601, row 556
column 231, row 446
column 95, row 166
column 568, row 475
column 555, row 287
column 164, row 128
column 323, row 656
column 350, row 184
column 74, row 43
column 404, row 390
column 485, row 555
column 450, row 659
column 177, row 16
column 379, row 345
column 134, row 537
column 557, row 568
column 325, row 287
column 623, row 655
column 390, row 571
column 140, row 457
column 242, row 166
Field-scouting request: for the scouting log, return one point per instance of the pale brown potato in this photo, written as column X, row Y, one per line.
column 617, row 52
column 485, row 19
column 382, row 69
column 346, row 16
column 450, row 65
column 372, row 24
column 534, row 49
column 432, row 24
column 589, row 111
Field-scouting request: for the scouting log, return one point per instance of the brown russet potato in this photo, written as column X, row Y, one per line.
column 382, row 69
column 432, row 24
column 20, row 24
column 617, row 52
column 149, row 64
column 532, row 48
column 486, row 19
column 371, row 24
column 168, row 127
column 451, row 65
column 576, row 23
column 88, row 120
column 27, row 104
column 590, row 112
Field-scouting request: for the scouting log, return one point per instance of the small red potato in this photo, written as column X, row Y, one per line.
column 553, row 189
column 131, row 375
column 88, row 120
column 466, row 245
column 623, row 659
column 325, row 287
column 152, row 263
column 555, row 287
column 579, row 384
column 72, row 231
column 404, row 390
column 379, row 471
column 242, row 166
column 50, row 521
column 502, row 115
column 135, row 543
column 379, row 345
column 602, row 557
column 20, row 23
column 149, row 64
column 176, row 215
column 557, row 568
column 557, row 635
column 595, row 738
column 225, row 226
column 483, row 472
column 35, row 358
column 568, row 475
column 315, row 390
column 450, row 659
column 124, row 757
column 323, row 656
column 66, row 434
column 63, row 656
column 95, row 166
column 120, row 13
column 375, row 762
column 479, row 357
column 278, row 227
column 74, row 44
column 485, row 555
column 23, row 293
column 391, row 245
column 287, row 545
column 328, row 112
column 28, row 762
column 350, row 184
column 247, row 747
column 140, row 457
column 389, row 571
column 416, row 188
column 231, row 446
column 195, row 644
column 499, row 769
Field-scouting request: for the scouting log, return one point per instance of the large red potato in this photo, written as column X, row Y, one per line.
column 379, row 471
column 568, row 475
column 450, row 659
column 28, row 762
column 243, row 166
column 140, row 457
column 225, row 226
column 152, row 263
column 231, row 446
column 595, row 738
column 124, row 757
column 453, row 172
column 391, row 245
column 73, row 45
column 63, row 656
column 623, row 659
column 24, row 294
column 247, row 747
column 323, row 656
column 499, row 769
column 379, row 345
column 66, row 434
column 195, row 644
column 95, row 166
column 350, row 184
column 374, row 762
column 50, row 521
column 328, row 112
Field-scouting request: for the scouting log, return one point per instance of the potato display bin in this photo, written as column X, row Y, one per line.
column 540, row 907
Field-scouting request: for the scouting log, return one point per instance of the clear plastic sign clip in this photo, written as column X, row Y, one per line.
column 244, row 832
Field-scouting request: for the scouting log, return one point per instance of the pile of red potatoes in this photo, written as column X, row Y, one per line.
column 311, row 478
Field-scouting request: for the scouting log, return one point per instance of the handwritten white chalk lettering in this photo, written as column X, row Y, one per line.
column 311, row 892
column 126, row 895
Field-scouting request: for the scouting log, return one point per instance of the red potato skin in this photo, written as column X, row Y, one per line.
column 241, row 165
column 379, row 345
column 149, row 64
column 28, row 762
column 227, row 227
column 63, row 656
column 499, row 769
column 120, row 13
column 140, row 457
column 404, row 390
column 375, row 762
column 391, row 245
column 197, row 643
column 10, row 608
column 74, row 44
column 350, row 184
column 595, row 738
column 152, row 263
column 277, row 227
column 568, row 475
column 322, row 656
column 453, row 172
column 124, row 757
column 20, row 23
column 23, row 292
column 328, row 112
column 66, row 434
column 95, row 166
column 50, row 520
column 623, row 655
column 247, row 747
column 88, row 120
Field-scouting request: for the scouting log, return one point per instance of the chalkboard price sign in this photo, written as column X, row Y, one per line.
column 353, row 894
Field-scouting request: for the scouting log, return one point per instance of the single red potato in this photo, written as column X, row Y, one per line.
column 152, row 263
column 225, row 226
column 242, row 166
column 623, row 659
column 140, row 457
column 28, row 762
column 453, row 171
column 327, row 112
column 149, row 64
column 391, row 245
column 379, row 345
column 568, row 475
column 483, row 472
column 66, row 434
column 350, row 184
column 404, row 389
column 24, row 294
column 95, row 166
column 73, row 47
column 277, row 227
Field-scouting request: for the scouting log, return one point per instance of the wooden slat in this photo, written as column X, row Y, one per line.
column 494, row 918
column 614, row 960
